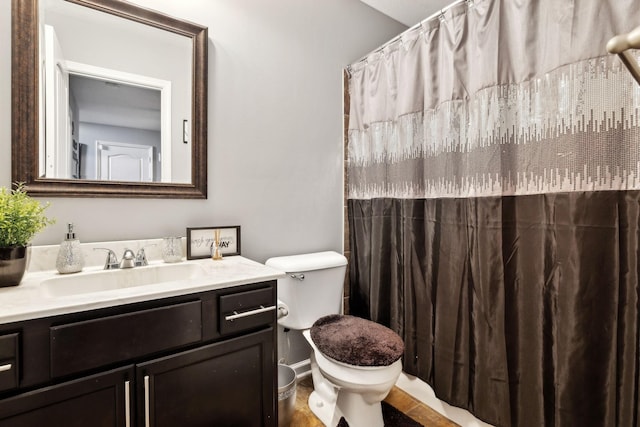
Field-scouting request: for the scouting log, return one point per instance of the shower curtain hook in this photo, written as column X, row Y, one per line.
column 470, row 3
column 441, row 17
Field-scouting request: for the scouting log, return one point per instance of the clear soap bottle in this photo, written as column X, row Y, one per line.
column 70, row 259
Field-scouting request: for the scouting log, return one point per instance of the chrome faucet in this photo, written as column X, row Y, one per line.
column 112, row 260
column 141, row 258
column 128, row 259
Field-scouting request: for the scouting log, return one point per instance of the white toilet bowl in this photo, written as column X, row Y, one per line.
column 349, row 391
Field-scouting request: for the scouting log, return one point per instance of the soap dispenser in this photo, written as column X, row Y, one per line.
column 70, row 259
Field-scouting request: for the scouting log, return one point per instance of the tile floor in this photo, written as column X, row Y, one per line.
column 303, row 417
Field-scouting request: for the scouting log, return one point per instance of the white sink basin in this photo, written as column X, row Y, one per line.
column 108, row 280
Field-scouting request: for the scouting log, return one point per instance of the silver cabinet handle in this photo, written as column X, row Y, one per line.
column 147, row 422
column 127, row 404
column 237, row 315
column 6, row 367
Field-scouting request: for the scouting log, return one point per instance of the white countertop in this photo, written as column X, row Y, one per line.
column 28, row 301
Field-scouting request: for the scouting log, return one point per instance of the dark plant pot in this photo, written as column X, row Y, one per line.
column 13, row 263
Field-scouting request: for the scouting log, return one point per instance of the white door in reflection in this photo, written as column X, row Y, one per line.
column 57, row 157
column 117, row 161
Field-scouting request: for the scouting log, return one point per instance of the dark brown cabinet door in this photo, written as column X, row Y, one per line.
column 230, row 383
column 97, row 401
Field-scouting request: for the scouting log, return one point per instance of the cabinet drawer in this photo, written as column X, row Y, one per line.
column 8, row 361
column 246, row 310
column 93, row 343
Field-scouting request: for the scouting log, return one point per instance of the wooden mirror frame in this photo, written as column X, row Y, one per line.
column 25, row 107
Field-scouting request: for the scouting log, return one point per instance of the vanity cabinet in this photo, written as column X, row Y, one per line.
column 199, row 359
column 100, row 400
column 221, row 382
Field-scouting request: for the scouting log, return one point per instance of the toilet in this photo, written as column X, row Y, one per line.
column 354, row 362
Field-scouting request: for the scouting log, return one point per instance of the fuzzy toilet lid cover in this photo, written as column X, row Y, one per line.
column 356, row 341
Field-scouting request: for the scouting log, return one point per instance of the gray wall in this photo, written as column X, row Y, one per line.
column 275, row 127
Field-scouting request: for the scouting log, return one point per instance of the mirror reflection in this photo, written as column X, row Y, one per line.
column 117, row 107
column 116, row 131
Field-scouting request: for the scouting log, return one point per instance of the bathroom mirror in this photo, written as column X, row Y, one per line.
column 120, row 122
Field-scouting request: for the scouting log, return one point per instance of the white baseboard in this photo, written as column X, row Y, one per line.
column 424, row 393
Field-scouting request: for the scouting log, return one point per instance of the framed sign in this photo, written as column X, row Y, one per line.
column 200, row 241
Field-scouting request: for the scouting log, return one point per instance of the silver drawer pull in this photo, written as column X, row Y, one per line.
column 127, row 404
column 6, row 367
column 147, row 421
column 237, row 315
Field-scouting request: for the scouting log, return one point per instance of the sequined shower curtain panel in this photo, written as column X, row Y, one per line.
column 493, row 169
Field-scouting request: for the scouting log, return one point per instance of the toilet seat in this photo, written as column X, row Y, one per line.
column 355, row 341
column 338, row 372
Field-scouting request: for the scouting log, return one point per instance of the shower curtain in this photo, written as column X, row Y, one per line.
column 493, row 177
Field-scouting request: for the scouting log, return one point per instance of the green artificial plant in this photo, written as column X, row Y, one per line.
column 21, row 216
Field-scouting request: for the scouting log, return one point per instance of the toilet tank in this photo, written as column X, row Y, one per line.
column 312, row 289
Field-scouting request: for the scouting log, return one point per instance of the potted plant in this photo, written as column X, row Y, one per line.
column 21, row 217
